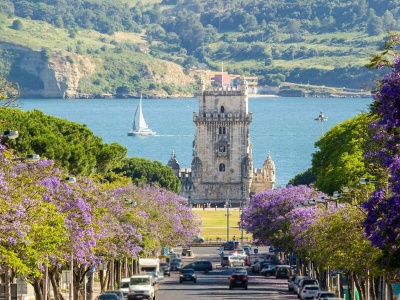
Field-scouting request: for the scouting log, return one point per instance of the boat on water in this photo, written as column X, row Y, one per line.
column 142, row 129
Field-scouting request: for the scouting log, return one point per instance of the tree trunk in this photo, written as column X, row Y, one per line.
column 358, row 286
column 37, row 287
column 54, row 277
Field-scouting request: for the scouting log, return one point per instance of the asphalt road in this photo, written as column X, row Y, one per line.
column 214, row 285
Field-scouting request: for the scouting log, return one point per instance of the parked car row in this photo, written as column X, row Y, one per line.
column 308, row 288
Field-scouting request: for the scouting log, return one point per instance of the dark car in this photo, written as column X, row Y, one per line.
column 238, row 280
column 201, row 265
column 283, row 272
column 165, row 268
column 229, row 245
column 187, row 275
column 107, row 296
column 119, row 294
column 176, row 264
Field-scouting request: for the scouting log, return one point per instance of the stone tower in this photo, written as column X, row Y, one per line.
column 222, row 164
column 263, row 179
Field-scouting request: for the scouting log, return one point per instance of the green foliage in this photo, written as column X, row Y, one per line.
column 338, row 242
column 340, row 160
column 9, row 93
column 144, row 171
column 304, row 43
column 305, row 178
column 17, row 25
column 72, row 146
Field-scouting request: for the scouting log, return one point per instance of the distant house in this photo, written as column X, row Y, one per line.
column 144, row 49
column 252, row 81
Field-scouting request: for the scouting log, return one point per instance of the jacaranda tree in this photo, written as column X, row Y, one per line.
column 382, row 224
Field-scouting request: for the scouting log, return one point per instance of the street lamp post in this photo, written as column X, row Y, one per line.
column 228, row 204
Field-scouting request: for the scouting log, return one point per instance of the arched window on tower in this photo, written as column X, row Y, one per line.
column 222, row 130
column 222, row 109
column 222, row 167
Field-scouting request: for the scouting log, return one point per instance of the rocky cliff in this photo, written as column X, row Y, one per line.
column 47, row 76
column 58, row 74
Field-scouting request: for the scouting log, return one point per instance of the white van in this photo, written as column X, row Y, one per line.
column 124, row 286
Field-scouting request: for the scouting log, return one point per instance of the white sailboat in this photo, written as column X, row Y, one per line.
column 143, row 129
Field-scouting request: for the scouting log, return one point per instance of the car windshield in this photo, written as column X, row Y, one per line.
column 187, row 271
column 124, row 285
column 311, row 287
column 140, row 281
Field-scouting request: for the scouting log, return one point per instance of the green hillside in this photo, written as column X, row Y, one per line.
column 320, row 43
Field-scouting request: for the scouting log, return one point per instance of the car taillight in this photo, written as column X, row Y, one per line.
column 245, row 278
column 232, row 278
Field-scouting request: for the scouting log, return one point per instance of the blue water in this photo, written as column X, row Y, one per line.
column 285, row 127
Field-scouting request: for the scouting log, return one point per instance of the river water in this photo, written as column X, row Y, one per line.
column 285, row 127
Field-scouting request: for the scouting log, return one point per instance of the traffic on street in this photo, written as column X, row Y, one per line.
column 215, row 284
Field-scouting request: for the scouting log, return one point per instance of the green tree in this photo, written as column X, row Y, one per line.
column 144, row 171
column 17, row 25
column 72, row 146
column 339, row 161
column 304, row 178
column 9, row 93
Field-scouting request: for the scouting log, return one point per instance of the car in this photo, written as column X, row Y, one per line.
column 268, row 270
column 107, row 296
column 142, row 286
column 198, row 239
column 201, row 265
column 166, row 269
column 238, row 280
column 306, row 281
column 283, row 272
column 290, row 285
column 323, row 295
column 308, row 291
column 296, row 282
column 261, row 265
column 176, row 264
column 229, row 245
column 235, row 261
column 188, row 274
column 247, row 249
column 119, row 293
column 124, row 286
column 240, row 270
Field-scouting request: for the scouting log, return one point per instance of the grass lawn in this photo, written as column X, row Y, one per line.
column 214, row 224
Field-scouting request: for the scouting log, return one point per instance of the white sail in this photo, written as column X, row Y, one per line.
column 143, row 129
column 142, row 122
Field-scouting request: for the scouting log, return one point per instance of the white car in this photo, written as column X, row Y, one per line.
column 323, row 295
column 296, row 283
column 235, row 261
column 308, row 291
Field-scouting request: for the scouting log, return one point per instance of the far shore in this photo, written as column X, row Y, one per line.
column 263, row 96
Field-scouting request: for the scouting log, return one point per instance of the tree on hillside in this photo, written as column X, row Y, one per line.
column 144, row 171
column 17, row 25
column 9, row 93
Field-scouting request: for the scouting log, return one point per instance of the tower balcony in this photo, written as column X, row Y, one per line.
column 222, row 117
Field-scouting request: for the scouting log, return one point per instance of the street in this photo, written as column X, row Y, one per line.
column 214, row 285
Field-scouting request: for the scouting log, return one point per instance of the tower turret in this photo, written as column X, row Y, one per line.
column 174, row 164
